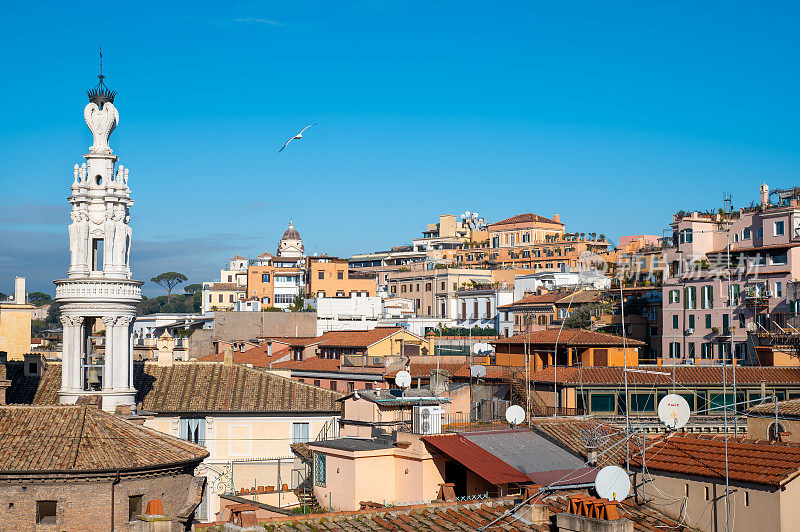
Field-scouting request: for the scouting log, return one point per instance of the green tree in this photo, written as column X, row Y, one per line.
column 193, row 288
column 581, row 318
column 39, row 298
column 169, row 280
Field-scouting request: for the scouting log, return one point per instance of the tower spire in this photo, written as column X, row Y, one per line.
column 101, row 94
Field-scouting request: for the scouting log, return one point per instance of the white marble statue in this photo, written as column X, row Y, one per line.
column 101, row 122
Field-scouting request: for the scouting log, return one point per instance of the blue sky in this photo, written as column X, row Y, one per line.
column 613, row 114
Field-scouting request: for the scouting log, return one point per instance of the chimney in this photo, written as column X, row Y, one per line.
column 557, row 218
column 440, row 380
column 228, row 360
column 269, row 349
column 19, row 290
column 764, row 194
column 164, row 346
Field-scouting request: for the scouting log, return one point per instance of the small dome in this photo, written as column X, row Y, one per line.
column 291, row 233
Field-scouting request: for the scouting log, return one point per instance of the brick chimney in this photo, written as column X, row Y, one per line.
column 228, row 358
column 764, row 189
column 557, row 218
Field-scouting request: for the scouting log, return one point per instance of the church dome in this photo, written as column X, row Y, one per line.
column 291, row 233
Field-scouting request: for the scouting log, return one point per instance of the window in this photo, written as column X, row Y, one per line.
column 193, row 430
column 230, row 298
column 340, row 293
column 686, row 490
column 300, row 432
column 735, row 238
column 686, row 236
column 674, row 321
column 444, row 285
column 777, row 228
column 46, row 512
column 340, row 274
column 690, row 349
column 747, row 498
column 321, row 275
column 706, row 350
column 319, row 469
column 264, row 277
column 288, row 298
column 134, row 506
column 760, row 232
column 778, row 289
column 334, row 385
column 708, row 321
column 674, row 350
column 97, row 254
column 428, row 287
column 735, row 291
column 691, row 321
column 220, row 298
column 726, row 326
column 642, row 402
column 705, row 490
column 351, row 386
column 779, row 258
column 740, row 349
column 316, row 382
column 717, row 402
column 368, row 386
column 690, row 297
column 674, row 296
column 707, row 296
column 602, row 402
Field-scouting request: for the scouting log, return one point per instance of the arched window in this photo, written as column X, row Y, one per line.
column 686, row 236
column 775, row 430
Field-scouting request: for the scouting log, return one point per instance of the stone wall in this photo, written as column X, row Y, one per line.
column 86, row 505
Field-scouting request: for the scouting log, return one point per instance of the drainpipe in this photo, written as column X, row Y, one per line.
column 113, row 483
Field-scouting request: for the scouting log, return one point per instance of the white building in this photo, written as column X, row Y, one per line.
column 478, row 307
column 355, row 313
column 99, row 292
column 552, row 281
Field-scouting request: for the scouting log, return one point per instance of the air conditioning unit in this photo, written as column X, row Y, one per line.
column 426, row 419
column 689, row 331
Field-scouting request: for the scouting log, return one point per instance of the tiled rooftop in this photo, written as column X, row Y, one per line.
column 576, row 337
column 790, row 408
column 192, row 387
column 524, row 218
column 84, row 438
column 663, row 375
column 255, row 356
column 759, row 462
column 459, row 516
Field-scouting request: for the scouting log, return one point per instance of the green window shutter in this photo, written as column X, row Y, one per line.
column 702, row 297
column 710, row 296
column 686, row 297
column 708, row 321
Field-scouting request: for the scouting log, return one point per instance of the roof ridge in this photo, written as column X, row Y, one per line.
column 80, row 435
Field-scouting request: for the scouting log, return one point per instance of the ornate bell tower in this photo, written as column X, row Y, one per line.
column 98, row 298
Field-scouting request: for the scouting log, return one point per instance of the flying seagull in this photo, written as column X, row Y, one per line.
column 298, row 136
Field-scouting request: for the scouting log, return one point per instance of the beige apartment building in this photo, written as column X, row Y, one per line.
column 530, row 241
column 433, row 290
column 729, row 284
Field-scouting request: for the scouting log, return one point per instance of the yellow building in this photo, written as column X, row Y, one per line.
column 15, row 329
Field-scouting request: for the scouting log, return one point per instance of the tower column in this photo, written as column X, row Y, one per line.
column 110, row 354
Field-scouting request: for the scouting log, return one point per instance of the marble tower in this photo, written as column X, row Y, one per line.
column 98, row 298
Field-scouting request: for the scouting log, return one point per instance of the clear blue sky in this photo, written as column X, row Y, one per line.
column 613, row 114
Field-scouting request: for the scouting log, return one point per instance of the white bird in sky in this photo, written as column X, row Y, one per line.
column 298, row 136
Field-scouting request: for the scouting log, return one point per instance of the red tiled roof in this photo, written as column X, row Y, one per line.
column 523, row 218
column 760, row 462
column 476, row 459
column 790, row 408
column 295, row 341
column 255, row 356
column 357, row 338
column 84, row 438
column 492, row 373
column 310, row 364
column 424, row 370
column 579, row 337
column 572, row 433
column 662, row 375
column 537, row 299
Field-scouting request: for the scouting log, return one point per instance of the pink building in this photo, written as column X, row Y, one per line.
column 728, row 284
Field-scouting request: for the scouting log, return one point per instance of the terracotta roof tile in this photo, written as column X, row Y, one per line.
column 577, row 337
column 84, row 438
column 255, row 356
column 195, row 387
column 790, row 408
column 310, row 364
column 748, row 461
column 684, row 375
column 357, row 338
column 523, row 218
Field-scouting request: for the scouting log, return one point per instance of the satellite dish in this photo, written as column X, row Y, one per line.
column 515, row 414
column 466, row 214
column 673, row 411
column 612, row 483
column 477, row 371
column 751, row 327
column 403, row 379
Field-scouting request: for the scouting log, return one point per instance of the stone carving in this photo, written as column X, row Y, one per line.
column 101, row 122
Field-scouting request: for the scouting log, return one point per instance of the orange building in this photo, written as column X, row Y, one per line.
column 331, row 277
column 574, row 347
column 530, row 241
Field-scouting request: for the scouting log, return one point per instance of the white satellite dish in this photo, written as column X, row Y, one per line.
column 673, row 411
column 403, row 379
column 612, row 483
column 515, row 414
column 466, row 214
column 477, row 371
